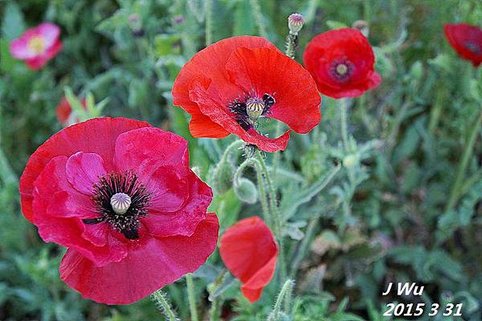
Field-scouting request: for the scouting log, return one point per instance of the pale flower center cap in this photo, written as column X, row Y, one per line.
column 341, row 69
column 254, row 108
column 36, row 44
column 120, row 203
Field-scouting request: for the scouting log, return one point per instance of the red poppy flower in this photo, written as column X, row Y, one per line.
column 229, row 85
column 249, row 251
column 342, row 63
column 64, row 112
column 37, row 45
column 121, row 197
column 466, row 40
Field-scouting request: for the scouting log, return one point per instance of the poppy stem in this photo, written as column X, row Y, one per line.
column 344, row 122
column 163, row 305
column 208, row 11
column 273, row 211
column 253, row 162
column 284, row 296
column 191, row 297
column 258, row 16
column 469, row 149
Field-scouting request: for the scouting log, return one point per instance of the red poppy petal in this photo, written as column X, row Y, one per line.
column 249, row 251
column 63, row 111
column 215, row 110
column 146, row 149
column 347, row 46
column 148, row 267
column 189, row 198
column 203, row 126
column 40, row 60
column 94, row 136
column 270, row 71
column 53, row 50
column 84, row 170
column 59, row 210
column 466, row 40
column 36, row 63
column 253, row 288
column 209, row 63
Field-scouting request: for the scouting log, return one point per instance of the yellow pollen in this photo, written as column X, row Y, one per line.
column 341, row 69
column 36, row 44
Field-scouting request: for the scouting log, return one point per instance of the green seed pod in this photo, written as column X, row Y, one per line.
column 246, row 191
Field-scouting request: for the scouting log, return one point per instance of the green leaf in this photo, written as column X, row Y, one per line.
column 13, row 23
column 294, row 201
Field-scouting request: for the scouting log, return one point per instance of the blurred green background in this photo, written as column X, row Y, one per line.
column 405, row 207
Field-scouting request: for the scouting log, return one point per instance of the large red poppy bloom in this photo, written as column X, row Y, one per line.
column 229, row 85
column 249, row 251
column 121, row 197
column 342, row 63
column 466, row 40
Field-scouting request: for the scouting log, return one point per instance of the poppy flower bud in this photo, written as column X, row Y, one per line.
column 135, row 24
column 223, row 176
column 416, row 71
column 350, row 161
column 362, row 25
column 246, row 191
column 295, row 23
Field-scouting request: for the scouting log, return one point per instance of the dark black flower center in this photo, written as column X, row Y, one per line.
column 248, row 110
column 473, row 47
column 121, row 200
column 342, row 70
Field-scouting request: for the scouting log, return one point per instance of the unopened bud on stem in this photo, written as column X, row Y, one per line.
column 295, row 23
column 362, row 25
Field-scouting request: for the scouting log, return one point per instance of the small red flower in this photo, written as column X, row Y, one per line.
column 121, row 197
column 37, row 45
column 64, row 112
column 229, row 85
column 466, row 40
column 249, row 251
column 342, row 63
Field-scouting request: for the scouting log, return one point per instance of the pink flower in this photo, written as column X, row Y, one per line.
column 37, row 45
column 120, row 195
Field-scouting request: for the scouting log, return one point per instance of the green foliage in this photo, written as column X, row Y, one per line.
column 356, row 214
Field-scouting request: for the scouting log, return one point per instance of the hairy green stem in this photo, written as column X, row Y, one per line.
column 436, row 111
column 253, row 162
column 214, row 312
column 283, row 296
column 273, row 211
column 234, row 145
column 163, row 305
column 458, row 184
column 291, row 45
column 258, row 16
column 343, row 122
column 208, row 11
column 191, row 297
